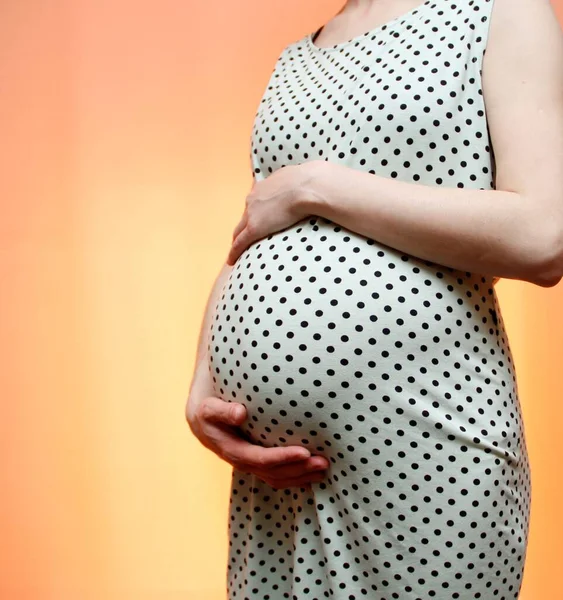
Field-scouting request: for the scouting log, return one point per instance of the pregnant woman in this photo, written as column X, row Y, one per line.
column 355, row 323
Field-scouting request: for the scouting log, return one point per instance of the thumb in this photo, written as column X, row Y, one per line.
column 237, row 413
column 220, row 411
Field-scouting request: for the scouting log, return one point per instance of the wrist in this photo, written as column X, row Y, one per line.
column 313, row 198
column 201, row 387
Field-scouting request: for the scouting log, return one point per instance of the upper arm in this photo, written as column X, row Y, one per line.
column 522, row 77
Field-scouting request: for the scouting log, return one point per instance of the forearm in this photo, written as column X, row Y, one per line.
column 200, row 385
column 495, row 233
column 208, row 314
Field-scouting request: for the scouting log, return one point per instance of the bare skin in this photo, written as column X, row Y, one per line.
column 358, row 16
column 215, row 423
column 517, row 141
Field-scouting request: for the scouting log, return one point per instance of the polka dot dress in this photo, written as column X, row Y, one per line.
column 396, row 369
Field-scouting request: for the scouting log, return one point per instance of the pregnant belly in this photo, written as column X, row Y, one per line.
column 317, row 327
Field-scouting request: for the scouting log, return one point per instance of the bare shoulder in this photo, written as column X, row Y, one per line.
column 529, row 27
column 522, row 81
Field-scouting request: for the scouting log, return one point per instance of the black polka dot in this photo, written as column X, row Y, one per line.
column 396, row 369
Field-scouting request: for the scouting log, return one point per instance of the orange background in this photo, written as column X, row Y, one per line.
column 124, row 161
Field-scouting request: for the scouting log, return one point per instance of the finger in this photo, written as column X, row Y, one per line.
column 216, row 410
column 296, row 482
column 234, row 252
column 292, row 470
column 241, row 242
column 241, row 224
column 314, row 464
column 253, row 458
column 230, row 260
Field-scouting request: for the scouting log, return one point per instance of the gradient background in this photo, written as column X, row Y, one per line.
column 124, row 166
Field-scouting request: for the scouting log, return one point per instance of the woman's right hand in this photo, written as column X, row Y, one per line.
column 215, row 423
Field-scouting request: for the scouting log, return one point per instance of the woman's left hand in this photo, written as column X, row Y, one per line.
column 273, row 204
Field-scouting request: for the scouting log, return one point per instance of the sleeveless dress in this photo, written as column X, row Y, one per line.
column 397, row 370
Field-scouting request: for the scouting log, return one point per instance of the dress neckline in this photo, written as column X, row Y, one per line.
column 384, row 26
